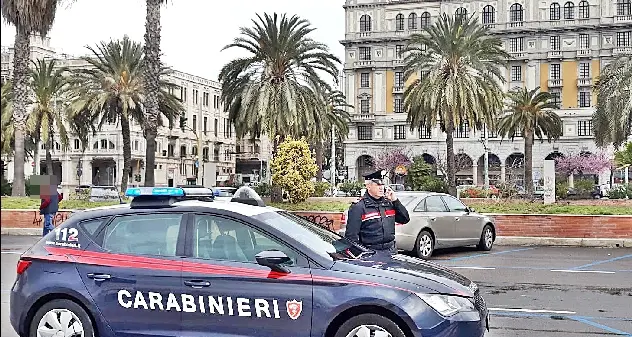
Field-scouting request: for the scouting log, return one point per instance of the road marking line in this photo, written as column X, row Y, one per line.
column 16, row 253
column 583, row 271
column 475, row 268
column 490, row 254
column 534, row 311
column 603, row 261
column 600, row 326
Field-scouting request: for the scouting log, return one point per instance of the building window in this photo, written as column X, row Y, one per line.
column 555, row 11
column 399, row 22
column 463, row 131
column 516, row 13
column 364, row 80
column 365, row 23
column 516, row 73
column 623, row 39
column 194, row 122
column 491, row 133
column 584, row 41
column 364, row 106
column 584, row 128
column 399, row 51
column 489, row 15
column 516, row 44
column 195, row 96
column 205, row 124
column 556, row 71
column 584, row 9
column 77, row 144
column 425, row 20
column 216, row 127
column 584, row 70
column 399, row 132
column 556, row 98
column 569, row 10
column 584, row 99
column 365, row 132
column 555, row 43
column 365, row 53
column 205, row 99
column 412, row 21
column 399, row 78
column 399, row 105
column 460, row 14
column 425, row 133
column 624, row 7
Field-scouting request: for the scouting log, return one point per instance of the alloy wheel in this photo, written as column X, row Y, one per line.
column 369, row 331
column 489, row 237
column 60, row 323
column 425, row 245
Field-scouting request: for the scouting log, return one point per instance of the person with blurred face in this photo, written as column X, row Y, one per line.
column 371, row 220
column 49, row 205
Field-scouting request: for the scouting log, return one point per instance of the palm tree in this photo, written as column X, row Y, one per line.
column 112, row 90
column 461, row 83
column 530, row 115
column 329, row 113
column 152, row 71
column 48, row 85
column 7, row 127
column 28, row 17
column 271, row 90
column 612, row 119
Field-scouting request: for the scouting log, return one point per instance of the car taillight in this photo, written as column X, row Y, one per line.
column 22, row 266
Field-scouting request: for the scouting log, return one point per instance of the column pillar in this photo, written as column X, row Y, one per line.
column 626, row 175
column 502, row 173
column 475, row 175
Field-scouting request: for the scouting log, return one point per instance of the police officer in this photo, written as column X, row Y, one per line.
column 371, row 220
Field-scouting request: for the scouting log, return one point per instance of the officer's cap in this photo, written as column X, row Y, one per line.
column 376, row 177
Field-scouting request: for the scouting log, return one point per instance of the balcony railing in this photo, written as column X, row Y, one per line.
column 622, row 18
column 554, row 54
column 555, row 83
column 398, row 89
column 584, row 82
column 621, row 50
column 584, row 53
column 364, row 63
column 363, row 117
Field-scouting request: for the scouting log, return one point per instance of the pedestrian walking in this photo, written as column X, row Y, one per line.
column 49, row 205
column 371, row 219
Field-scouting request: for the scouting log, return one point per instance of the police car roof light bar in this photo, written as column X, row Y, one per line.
column 159, row 197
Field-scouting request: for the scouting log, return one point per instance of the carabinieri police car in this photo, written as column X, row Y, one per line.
column 175, row 263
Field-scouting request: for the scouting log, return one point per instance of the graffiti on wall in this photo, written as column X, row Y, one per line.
column 38, row 219
column 321, row 220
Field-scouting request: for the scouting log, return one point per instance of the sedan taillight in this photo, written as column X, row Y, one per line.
column 22, row 266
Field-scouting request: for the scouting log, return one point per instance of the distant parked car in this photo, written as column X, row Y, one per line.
column 223, row 193
column 439, row 220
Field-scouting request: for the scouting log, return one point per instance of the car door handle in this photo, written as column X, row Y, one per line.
column 433, row 219
column 99, row 277
column 457, row 219
column 197, row 284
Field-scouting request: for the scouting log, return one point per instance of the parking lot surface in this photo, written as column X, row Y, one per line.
column 531, row 291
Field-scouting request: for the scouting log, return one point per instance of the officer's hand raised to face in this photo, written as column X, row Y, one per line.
column 390, row 194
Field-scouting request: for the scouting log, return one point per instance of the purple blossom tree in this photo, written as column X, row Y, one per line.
column 391, row 158
column 584, row 163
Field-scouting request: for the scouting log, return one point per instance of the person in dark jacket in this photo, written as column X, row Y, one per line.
column 371, row 220
column 49, row 206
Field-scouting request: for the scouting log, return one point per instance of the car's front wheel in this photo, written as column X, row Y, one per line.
column 487, row 238
column 424, row 245
column 369, row 325
column 61, row 318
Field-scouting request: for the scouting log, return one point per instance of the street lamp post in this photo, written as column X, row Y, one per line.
column 486, row 157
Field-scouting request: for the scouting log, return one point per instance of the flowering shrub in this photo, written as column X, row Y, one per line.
column 390, row 159
column 583, row 163
column 478, row 192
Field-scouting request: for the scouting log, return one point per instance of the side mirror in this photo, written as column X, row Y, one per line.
column 274, row 259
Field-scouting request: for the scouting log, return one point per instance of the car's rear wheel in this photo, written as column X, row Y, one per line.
column 424, row 245
column 372, row 325
column 61, row 318
column 487, row 238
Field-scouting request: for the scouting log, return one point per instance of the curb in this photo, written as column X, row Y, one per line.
column 500, row 241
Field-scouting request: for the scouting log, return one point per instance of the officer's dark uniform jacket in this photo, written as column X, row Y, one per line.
column 371, row 222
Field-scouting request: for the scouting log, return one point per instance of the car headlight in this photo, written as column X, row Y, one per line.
column 447, row 305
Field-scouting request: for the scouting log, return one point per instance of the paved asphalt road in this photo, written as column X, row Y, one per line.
column 531, row 291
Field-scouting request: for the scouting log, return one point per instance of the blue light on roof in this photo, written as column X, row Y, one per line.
column 157, row 191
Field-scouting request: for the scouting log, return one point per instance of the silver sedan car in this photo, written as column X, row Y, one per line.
column 439, row 220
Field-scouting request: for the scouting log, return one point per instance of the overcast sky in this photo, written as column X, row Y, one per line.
column 193, row 31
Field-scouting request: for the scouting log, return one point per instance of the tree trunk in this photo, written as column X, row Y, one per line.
column 451, row 162
column 152, row 85
column 49, row 157
column 528, row 164
column 276, row 194
column 319, row 160
column 21, row 60
column 127, row 153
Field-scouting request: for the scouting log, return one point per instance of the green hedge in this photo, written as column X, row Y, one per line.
column 504, row 207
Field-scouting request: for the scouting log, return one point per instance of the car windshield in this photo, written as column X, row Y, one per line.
column 321, row 240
